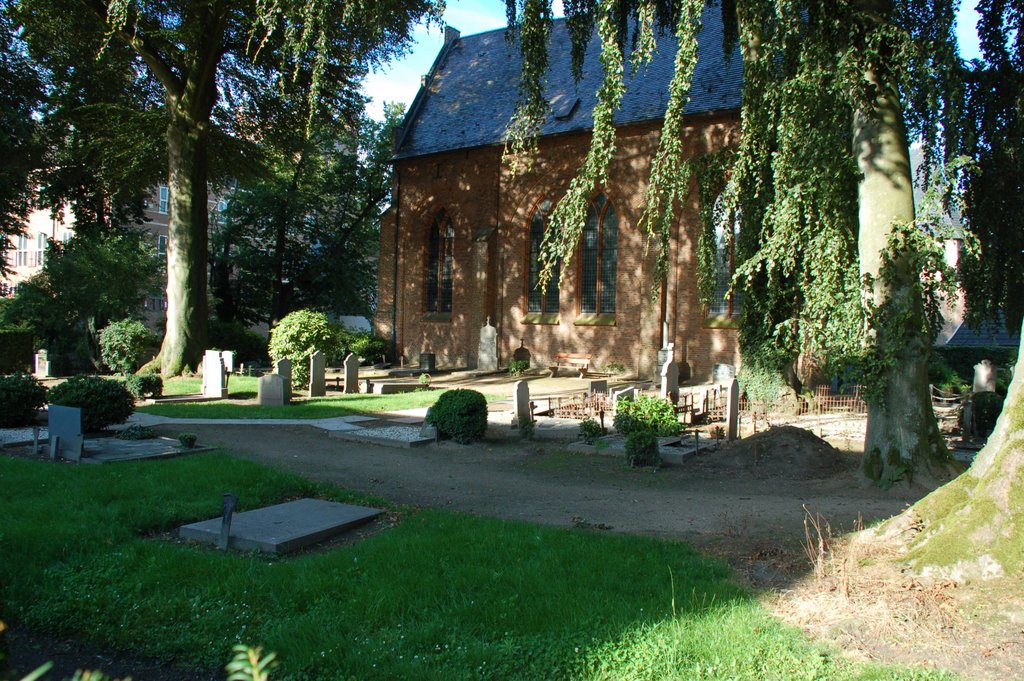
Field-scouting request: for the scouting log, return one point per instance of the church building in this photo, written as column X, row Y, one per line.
column 459, row 245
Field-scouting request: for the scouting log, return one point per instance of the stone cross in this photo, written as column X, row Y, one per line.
column 351, row 374
column 283, row 368
column 732, row 410
column 270, row 390
column 42, row 368
column 670, row 381
column 984, row 377
column 317, row 370
column 213, row 375
column 521, row 399
column 487, row 356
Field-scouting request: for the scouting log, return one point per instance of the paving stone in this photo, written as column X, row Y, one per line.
column 283, row 528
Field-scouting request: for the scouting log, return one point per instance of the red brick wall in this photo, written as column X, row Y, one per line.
column 491, row 275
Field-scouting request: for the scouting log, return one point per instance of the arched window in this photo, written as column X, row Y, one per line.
column 727, row 228
column 599, row 258
column 440, row 244
column 543, row 301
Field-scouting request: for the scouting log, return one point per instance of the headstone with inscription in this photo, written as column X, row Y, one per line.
column 487, row 356
column 351, row 374
column 521, row 400
column 317, row 374
column 270, row 390
column 283, row 368
column 213, row 375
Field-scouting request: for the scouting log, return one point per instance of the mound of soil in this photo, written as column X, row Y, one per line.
column 780, row 452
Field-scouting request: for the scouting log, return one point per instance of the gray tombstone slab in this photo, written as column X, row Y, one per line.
column 487, row 356
column 984, row 377
column 597, row 388
column 351, row 374
column 670, row 381
column 213, row 375
column 283, row 368
column 732, row 410
column 65, row 427
column 317, row 374
column 227, row 357
column 270, row 390
column 521, row 399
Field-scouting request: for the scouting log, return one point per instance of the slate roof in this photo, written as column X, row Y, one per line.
column 473, row 90
column 991, row 334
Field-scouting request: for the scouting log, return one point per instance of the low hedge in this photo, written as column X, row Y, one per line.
column 103, row 402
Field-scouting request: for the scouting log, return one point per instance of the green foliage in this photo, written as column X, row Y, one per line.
column 103, row 401
column 760, row 383
column 647, row 413
column 987, row 407
column 136, row 432
column 642, row 449
column 956, row 363
column 15, row 349
column 615, row 368
column 590, row 430
column 527, row 427
column 298, row 335
column 142, row 386
column 518, row 367
column 461, row 415
column 21, row 395
column 424, row 379
column 365, row 345
column 123, row 344
column 248, row 345
column 188, row 440
column 250, row 664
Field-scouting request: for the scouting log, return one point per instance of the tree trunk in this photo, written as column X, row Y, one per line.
column 187, row 243
column 902, row 434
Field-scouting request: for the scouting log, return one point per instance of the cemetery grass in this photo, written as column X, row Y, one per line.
column 438, row 595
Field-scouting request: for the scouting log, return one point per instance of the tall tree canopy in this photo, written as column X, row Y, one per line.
column 196, row 52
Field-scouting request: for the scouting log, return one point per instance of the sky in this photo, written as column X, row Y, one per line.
column 400, row 80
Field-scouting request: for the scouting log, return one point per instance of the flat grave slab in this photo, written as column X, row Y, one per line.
column 407, row 420
column 392, row 436
column 356, row 418
column 112, row 450
column 283, row 528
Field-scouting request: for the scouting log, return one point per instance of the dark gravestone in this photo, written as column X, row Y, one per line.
column 65, row 426
column 227, row 509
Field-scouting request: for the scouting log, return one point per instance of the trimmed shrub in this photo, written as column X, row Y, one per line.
column 518, row 367
column 142, row 386
column 15, row 350
column 103, row 401
column 21, row 395
column 188, row 440
column 248, row 345
column 298, row 335
column 460, row 414
column 367, row 346
column 123, row 343
column 642, row 449
column 987, row 407
column 590, row 430
column 647, row 413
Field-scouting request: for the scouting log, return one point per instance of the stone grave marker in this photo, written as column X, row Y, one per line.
column 487, row 355
column 213, row 375
column 317, row 373
column 283, row 368
column 670, row 381
column 984, row 377
column 351, row 374
column 521, row 399
column 270, row 390
column 628, row 394
column 732, row 410
column 227, row 509
column 227, row 357
column 65, row 427
column 599, row 387
column 42, row 368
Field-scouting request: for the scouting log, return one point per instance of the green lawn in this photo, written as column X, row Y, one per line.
column 439, row 596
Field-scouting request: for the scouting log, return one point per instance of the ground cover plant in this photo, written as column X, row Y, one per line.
column 439, row 596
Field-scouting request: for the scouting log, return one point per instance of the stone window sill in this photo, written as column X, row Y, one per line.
column 541, row 318
column 437, row 317
column 592, row 319
column 722, row 322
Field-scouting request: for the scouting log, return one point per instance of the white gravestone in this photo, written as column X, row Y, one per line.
column 42, row 365
column 351, row 374
column 984, row 377
column 317, row 372
column 213, row 375
column 732, row 410
column 228, row 358
column 521, row 399
column 670, row 381
column 270, row 390
column 487, row 357
column 283, row 368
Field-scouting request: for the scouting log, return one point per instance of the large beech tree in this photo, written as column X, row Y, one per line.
column 195, row 50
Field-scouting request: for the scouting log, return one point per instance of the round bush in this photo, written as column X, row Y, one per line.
column 103, row 402
column 986, row 411
column 461, row 415
column 21, row 395
column 123, row 343
column 647, row 414
column 518, row 367
column 590, row 430
column 298, row 335
column 142, row 386
column 642, row 449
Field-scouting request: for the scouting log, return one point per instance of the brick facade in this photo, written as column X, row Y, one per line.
column 492, row 212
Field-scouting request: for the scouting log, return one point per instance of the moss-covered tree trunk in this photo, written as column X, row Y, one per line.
column 902, row 434
column 187, row 247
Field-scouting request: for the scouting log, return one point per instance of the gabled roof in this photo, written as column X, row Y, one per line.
column 990, row 334
column 472, row 92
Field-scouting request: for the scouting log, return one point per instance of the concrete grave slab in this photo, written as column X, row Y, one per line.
column 283, row 528
column 356, row 418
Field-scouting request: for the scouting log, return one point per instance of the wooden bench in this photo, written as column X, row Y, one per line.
column 574, row 360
